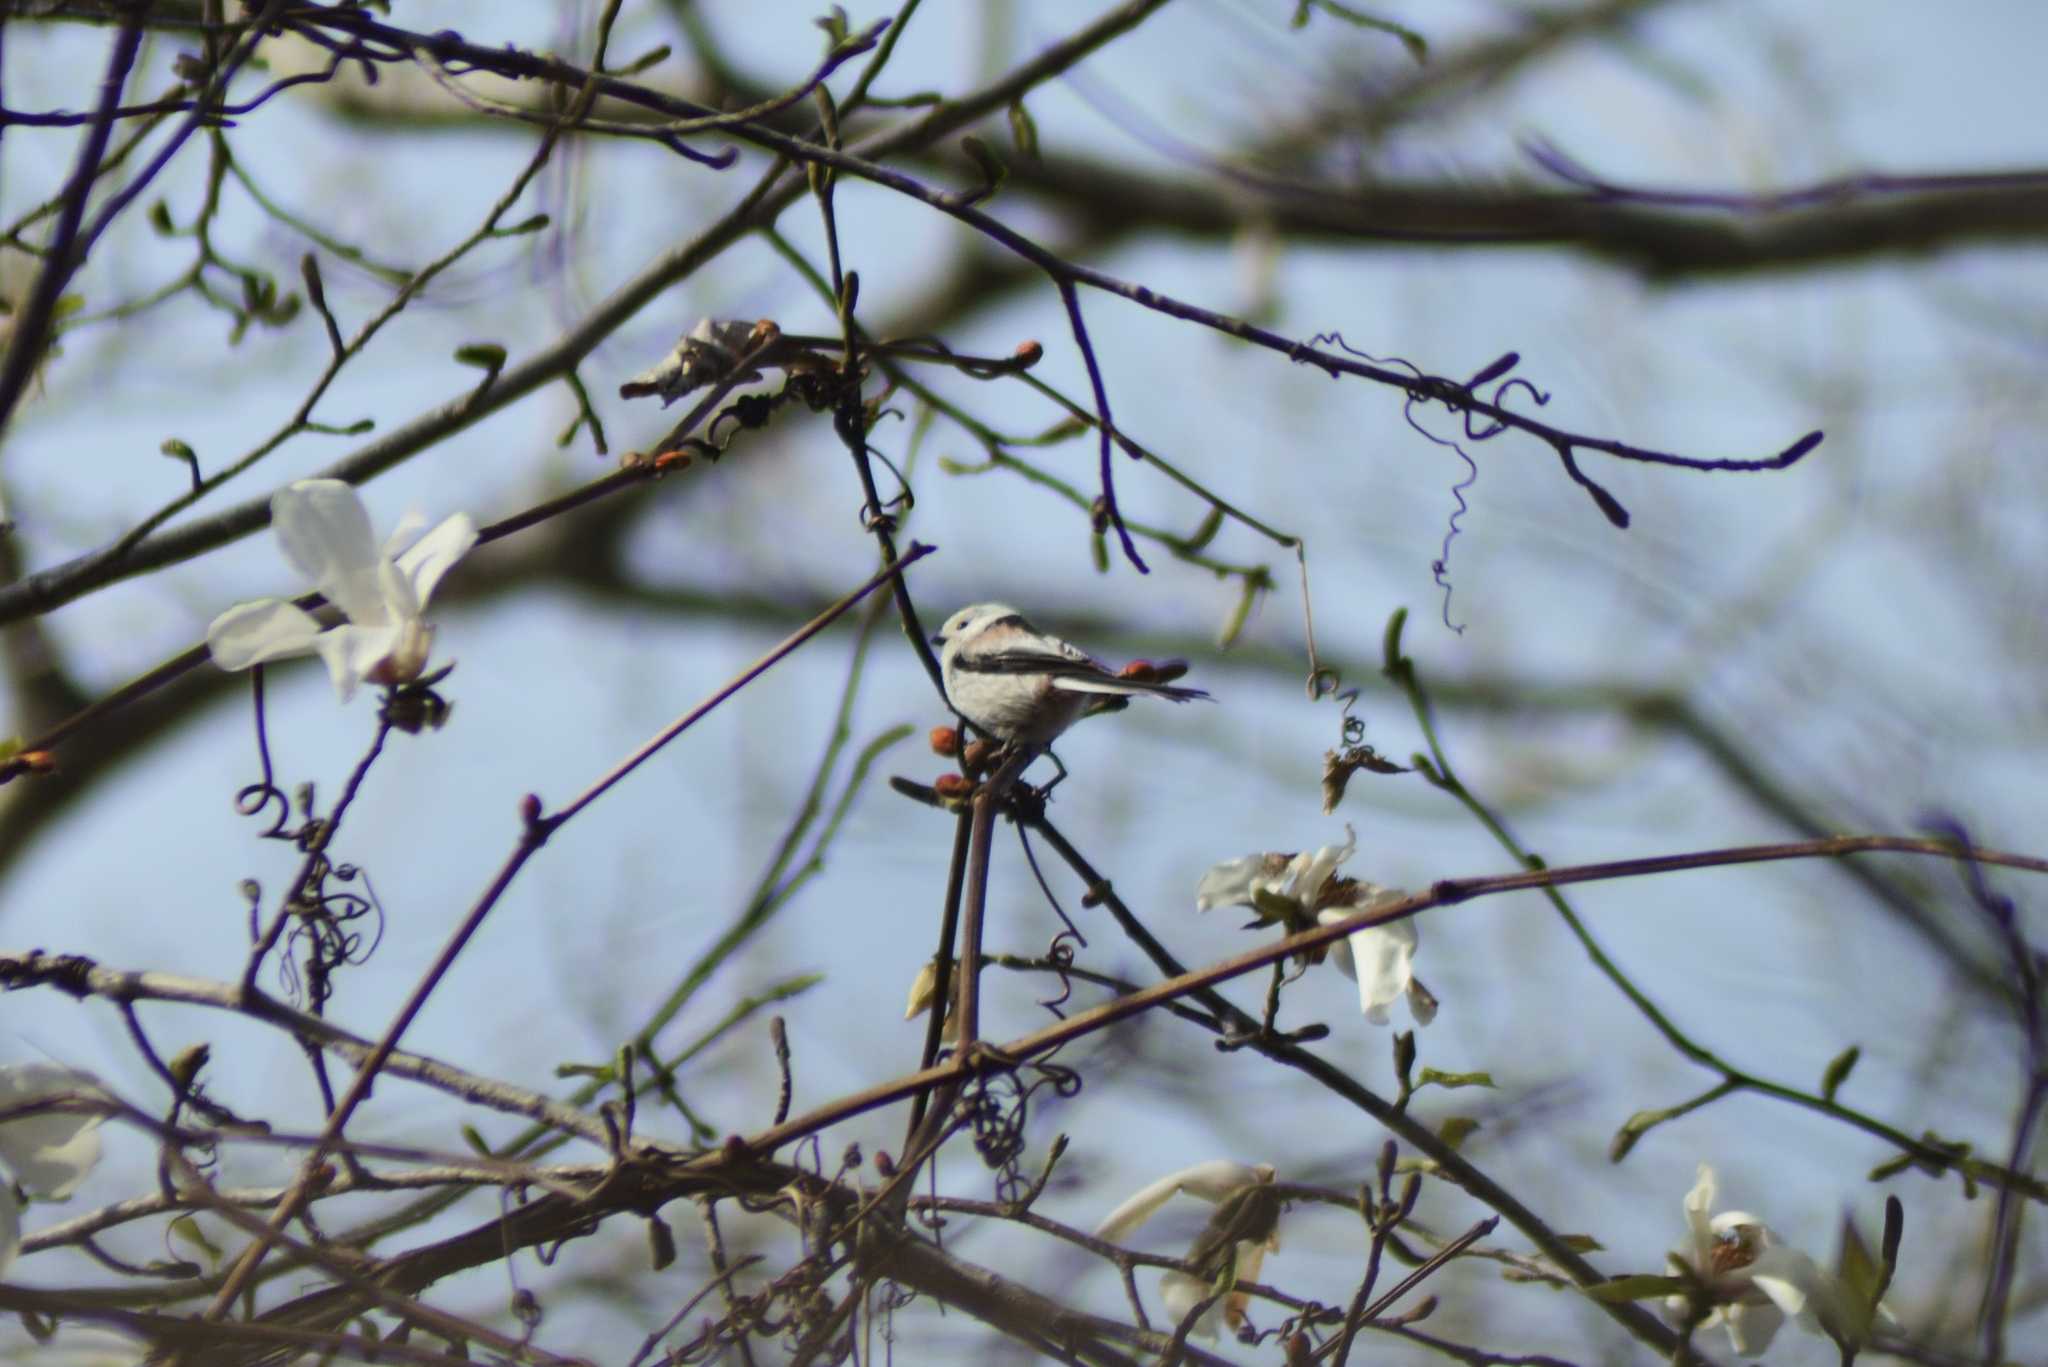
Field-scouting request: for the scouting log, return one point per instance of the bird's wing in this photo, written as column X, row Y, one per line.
column 1032, row 661
column 1071, row 672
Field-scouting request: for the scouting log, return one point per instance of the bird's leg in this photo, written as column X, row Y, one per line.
column 1046, row 791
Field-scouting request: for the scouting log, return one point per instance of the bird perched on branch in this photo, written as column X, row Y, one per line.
column 1021, row 685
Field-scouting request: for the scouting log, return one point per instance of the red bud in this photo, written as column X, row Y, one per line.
column 1146, row 671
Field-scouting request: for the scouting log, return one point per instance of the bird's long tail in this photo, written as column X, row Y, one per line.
column 1124, row 688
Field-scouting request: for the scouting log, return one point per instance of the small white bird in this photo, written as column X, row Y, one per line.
column 1019, row 684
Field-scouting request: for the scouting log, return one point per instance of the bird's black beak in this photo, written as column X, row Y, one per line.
column 938, row 640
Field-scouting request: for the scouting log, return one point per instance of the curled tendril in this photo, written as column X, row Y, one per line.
column 1031, row 858
column 997, row 1107
column 1353, row 726
column 1458, row 398
column 327, row 928
column 1440, row 568
column 1500, row 400
column 903, row 500
column 254, row 799
column 1059, row 956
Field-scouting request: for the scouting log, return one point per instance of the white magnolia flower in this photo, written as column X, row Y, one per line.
column 1215, row 1182
column 1755, row 1281
column 1211, row 1182
column 325, row 533
column 1303, row 889
column 46, row 1154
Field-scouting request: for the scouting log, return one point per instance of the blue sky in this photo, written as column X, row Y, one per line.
column 1865, row 623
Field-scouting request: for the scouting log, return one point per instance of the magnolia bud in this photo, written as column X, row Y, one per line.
column 924, row 990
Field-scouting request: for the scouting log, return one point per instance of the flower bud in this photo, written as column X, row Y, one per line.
column 924, row 989
column 945, row 740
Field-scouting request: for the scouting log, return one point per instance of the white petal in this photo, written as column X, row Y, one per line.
column 267, row 629
column 407, row 657
column 49, row 1154
column 1211, row 1181
column 394, row 592
column 1799, row 1287
column 1307, row 874
column 1422, row 1002
column 1380, row 958
column 10, row 1227
column 1250, row 1258
column 325, row 532
column 1229, row 884
column 353, row 653
column 1752, row 1327
column 433, row 554
column 1698, row 1202
column 408, row 529
column 1181, row 1292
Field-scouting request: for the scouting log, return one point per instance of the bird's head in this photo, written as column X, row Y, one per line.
column 969, row 622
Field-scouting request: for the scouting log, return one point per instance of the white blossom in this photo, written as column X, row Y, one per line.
column 1211, row 1182
column 324, row 530
column 1180, row 1292
column 1215, row 1182
column 47, row 1154
column 1755, row 1281
column 1300, row 890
